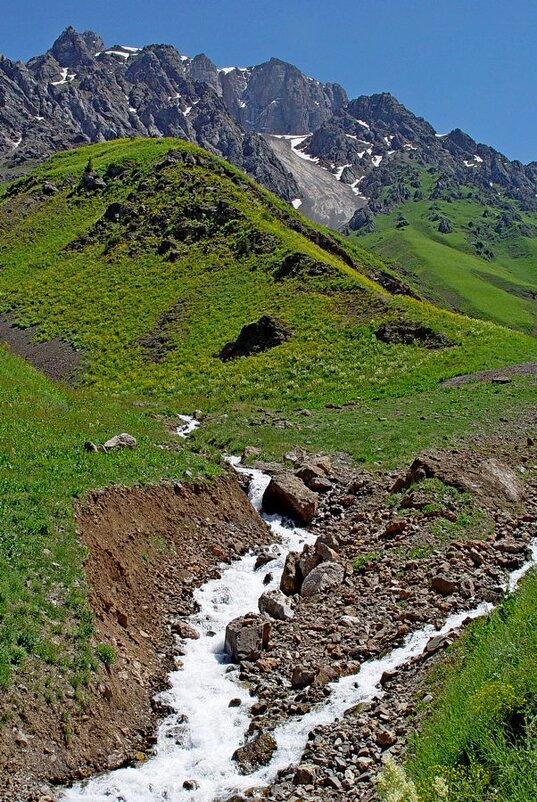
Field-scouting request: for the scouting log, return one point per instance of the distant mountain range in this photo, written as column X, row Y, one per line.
column 339, row 161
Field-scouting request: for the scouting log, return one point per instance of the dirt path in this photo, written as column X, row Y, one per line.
column 524, row 369
column 56, row 358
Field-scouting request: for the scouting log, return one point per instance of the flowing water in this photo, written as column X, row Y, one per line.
column 196, row 742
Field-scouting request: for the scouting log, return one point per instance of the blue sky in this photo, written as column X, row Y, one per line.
column 458, row 63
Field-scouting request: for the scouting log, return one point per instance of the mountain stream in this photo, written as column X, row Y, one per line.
column 195, row 744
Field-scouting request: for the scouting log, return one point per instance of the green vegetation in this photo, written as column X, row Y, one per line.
column 484, row 267
column 150, row 275
column 451, row 514
column 43, row 468
column 362, row 561
column 481, row 733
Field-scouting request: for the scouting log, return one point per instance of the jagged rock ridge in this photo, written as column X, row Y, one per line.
column 301, row 138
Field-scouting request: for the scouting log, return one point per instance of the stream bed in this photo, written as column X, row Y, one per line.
column 196, row 742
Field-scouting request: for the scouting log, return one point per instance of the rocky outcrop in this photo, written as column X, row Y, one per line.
column 409, row 333
column 266, row 333
column 491, row 480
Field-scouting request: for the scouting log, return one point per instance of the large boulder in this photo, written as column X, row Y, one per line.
column 256, row 753
column 247, row 637
column 490, row 480
column 267, row 332
column 288, row 495
column 274, row 604
column 326, row 576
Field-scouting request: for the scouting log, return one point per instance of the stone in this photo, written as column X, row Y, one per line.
column 274, row 604
column 325, row 675
column 386, row 738
column 435, row 643
column 444, row 585
column 308, row 560
column 235, row 703
column 302, row 677
column 256, row 753
column 313, row 477
column 287, row 494
column 291, row 580
column 325, row 553
column 466, row 587
column 444, row 226
column 185, row 630
column 305, row 774
column 49, row 188
column 93, row 181
column 122, row 619
column 247, row 637
column 322, row 578
column 250, row 452
column 120, row 441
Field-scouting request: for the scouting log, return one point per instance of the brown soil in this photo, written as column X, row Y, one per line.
column 148, row 549
column 56, row 358
column 524, row 369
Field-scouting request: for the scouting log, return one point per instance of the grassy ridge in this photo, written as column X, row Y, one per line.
column 108, row 294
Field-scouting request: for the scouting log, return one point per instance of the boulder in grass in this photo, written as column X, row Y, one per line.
column 120, row 441
column 254, row 338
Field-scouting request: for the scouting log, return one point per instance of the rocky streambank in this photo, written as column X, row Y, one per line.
column 148, row 549
column 393, row 553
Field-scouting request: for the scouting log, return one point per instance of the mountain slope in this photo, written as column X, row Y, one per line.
column 142, row 244
column 153, row 258
column 463, row 249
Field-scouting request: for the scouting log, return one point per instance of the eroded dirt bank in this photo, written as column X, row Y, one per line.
column 148, row 548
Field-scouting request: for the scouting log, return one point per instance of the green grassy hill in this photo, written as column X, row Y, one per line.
column 485, row 267
column 150, row 272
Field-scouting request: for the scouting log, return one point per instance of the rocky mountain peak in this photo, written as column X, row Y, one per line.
column 72, row 49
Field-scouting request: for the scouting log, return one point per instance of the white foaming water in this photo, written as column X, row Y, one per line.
column 188, row 425
column 197, row 742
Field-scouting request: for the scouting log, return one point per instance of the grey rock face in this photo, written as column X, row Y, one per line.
column 277, row 98
column 79, row 93
column 300, row 138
